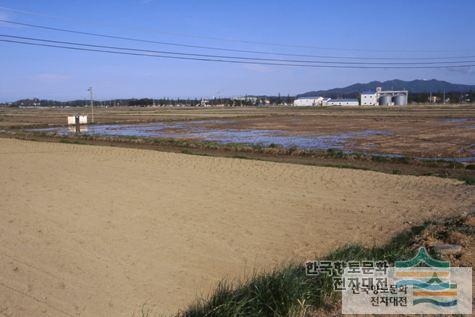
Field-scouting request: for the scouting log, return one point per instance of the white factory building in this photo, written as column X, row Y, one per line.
column 385, row 98
column 374, row 98
column 320, row 101
column 342, row 102
column 369, row 99
column 308, row 101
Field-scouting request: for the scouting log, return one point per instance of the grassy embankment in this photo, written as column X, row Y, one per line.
column 288, row 291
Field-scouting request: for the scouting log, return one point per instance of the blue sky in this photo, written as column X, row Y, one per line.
column 422, row 28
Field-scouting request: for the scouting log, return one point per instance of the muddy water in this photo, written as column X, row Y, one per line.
column 207, row 131
column 198, row 130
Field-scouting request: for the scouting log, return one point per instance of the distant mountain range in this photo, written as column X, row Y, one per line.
column 414, row 86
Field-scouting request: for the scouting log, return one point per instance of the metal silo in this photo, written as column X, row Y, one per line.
column 400, row 100
column 385, row 100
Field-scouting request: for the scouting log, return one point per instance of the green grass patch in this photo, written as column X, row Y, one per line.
column 242, row 157
column 70, row 141
column 335, row 153
column 186, row 151
column 376, row 158
column 468, row 180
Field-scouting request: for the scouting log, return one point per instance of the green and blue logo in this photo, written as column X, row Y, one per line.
column 428, row 278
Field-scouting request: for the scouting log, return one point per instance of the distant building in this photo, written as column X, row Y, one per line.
column 385, row 97
column 342, row 102
column 465, row 98
column 369, row 99
column 203, row 103
column 434, row 99
column 308, row 101
column 251, row 99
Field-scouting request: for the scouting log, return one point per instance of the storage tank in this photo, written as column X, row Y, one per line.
column 400, row 100
column 385, row 100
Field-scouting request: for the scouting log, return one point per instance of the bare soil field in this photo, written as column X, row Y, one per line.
column 100, row 231
column 57, row 116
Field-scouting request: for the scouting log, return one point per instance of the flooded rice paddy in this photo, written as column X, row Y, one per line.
column 200, row 130
column 218, row 131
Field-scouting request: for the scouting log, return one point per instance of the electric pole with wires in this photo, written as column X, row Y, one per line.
column 92, row 104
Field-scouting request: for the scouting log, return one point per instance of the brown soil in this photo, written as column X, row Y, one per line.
column 99, row 231
column 413, row 167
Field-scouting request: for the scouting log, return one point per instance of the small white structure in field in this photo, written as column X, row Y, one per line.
column 308, row 101
column 72, row 119
column 342, row 102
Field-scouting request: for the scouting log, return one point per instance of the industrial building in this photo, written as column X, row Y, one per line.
column 308, row 101
column 385, row 98
column 377, row 98
column 369, row 99
column 320, row 101
column 342, row 102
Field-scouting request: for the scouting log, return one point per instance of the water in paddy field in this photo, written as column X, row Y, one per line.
column 461, row 120
column 457, row 120
column 196, row 130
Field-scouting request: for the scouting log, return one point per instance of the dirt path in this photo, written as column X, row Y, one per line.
column 99, row 231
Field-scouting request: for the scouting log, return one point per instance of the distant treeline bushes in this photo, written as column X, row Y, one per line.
column 451, row 97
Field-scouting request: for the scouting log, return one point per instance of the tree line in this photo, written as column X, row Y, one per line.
column 418, row 98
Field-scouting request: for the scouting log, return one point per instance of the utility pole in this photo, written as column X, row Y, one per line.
column 92, row 104
column 444, row 97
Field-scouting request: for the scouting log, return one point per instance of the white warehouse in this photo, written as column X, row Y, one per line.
column 308, row 101
column 369, row 99
column 342, row 102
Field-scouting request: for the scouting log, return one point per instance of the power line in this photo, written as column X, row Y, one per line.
column 255, row 42
column 231, row 61
column 221, row 48
column 29, row 12
column 315, row 46
column 233, row 57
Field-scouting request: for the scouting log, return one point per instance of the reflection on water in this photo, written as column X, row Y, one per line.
column 74, row 129
column 457, row 120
